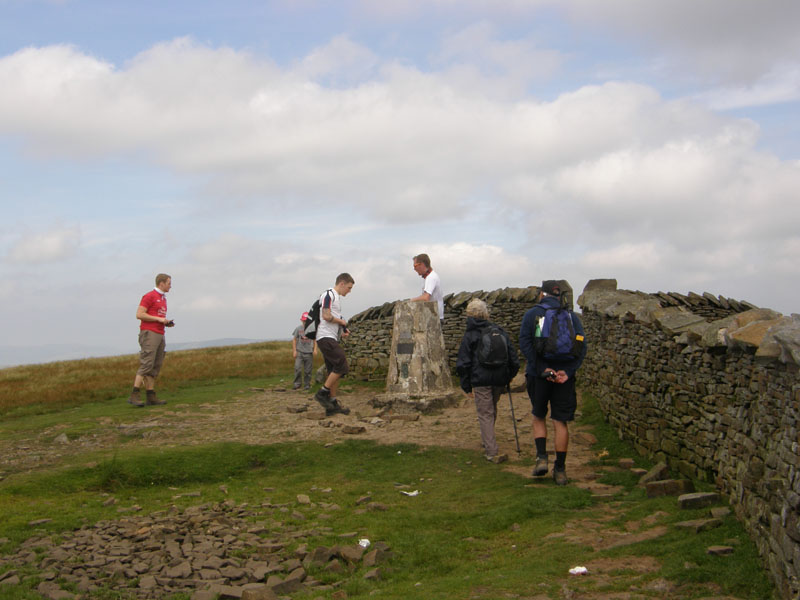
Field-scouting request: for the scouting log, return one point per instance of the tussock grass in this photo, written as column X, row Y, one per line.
column 32, row 389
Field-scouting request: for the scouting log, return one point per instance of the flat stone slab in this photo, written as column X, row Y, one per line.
column 420, row 403
column 698, row 525
column 698, row 499
column 719, row 550
column 404, row 417
column 353, row 429
column 668, row 487
column 657, row 473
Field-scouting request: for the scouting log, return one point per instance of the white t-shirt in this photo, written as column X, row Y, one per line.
column 330, row 299
column 433, row 286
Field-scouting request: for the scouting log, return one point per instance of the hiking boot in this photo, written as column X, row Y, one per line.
column 135, row 399
column 497, row 458
column 560, row 477
column 336, row 408
column 323, row 396
column 152, row 400
column 540, row 470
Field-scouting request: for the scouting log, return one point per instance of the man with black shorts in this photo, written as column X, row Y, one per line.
column 550, row 380
column 331, row 328
column 152, row 312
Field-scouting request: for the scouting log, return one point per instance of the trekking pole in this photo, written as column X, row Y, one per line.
column 513, row 418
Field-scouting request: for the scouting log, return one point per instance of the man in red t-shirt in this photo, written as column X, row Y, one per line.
column 152, row 313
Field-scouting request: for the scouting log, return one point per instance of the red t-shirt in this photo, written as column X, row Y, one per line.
column 155, row 303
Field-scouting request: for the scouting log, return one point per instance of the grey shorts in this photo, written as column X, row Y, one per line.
column 151, row 356
column 333, row 353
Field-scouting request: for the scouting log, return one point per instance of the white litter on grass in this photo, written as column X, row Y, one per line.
column 414, row 493
column 578, row 571
column 363, row 542
column 399, row 451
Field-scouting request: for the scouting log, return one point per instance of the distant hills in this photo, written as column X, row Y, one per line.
column 26, row 355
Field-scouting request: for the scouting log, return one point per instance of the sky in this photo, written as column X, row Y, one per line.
column 255, row 150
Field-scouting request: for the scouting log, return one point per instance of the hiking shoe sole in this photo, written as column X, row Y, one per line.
column 336, row 408
column 136, row 403
column 324, row 400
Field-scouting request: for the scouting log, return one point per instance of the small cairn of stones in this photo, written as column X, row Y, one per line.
column 220, row 550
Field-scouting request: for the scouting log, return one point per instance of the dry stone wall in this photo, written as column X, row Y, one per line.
column 369, row 344
column 711, row 387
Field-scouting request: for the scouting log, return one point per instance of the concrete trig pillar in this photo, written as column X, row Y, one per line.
column 419, row 372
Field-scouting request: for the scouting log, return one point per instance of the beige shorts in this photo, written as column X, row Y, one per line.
column 151, row 355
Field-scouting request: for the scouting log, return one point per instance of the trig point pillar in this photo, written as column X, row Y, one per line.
column 419, row 372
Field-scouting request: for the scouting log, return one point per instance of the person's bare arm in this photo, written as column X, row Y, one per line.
column 328, row 316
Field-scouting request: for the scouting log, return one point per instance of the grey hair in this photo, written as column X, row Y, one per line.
column 477, row 308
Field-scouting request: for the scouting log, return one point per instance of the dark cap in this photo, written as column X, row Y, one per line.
column 551, row 287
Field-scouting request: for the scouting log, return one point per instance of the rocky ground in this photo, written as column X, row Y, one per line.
column 197, row 550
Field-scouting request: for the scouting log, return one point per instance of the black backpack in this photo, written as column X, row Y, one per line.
column 492, row 347
column 312, row 322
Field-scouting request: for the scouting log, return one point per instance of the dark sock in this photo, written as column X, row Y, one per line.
column 561, row 461
column 135, row 389
column 541, row 447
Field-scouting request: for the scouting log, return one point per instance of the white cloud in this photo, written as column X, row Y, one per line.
column 308, row 172
column 718, row 40
column 475, row 58
column 780, row 84
column 48, row 246
column 405, row 146
column 715, row 40
column 341, row 59
column 640, row 256
column 472, row 266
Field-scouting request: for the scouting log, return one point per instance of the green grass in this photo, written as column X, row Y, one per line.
column 475, row 530
column 465, row 510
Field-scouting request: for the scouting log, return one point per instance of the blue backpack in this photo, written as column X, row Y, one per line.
column 555, row 337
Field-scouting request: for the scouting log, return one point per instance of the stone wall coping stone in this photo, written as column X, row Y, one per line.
column 764, row 332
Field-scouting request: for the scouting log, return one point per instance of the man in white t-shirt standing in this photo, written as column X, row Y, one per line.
column 331, row 327
column 432, row 289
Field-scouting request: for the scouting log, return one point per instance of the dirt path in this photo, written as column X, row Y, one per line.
column 257, row 416
column 267, row 416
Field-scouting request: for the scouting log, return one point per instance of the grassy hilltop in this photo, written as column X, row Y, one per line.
column 475, row 530
column 66, row 384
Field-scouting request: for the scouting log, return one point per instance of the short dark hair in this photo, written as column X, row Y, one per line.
column 424, row 259
column 162, row 277
column 344, row 277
